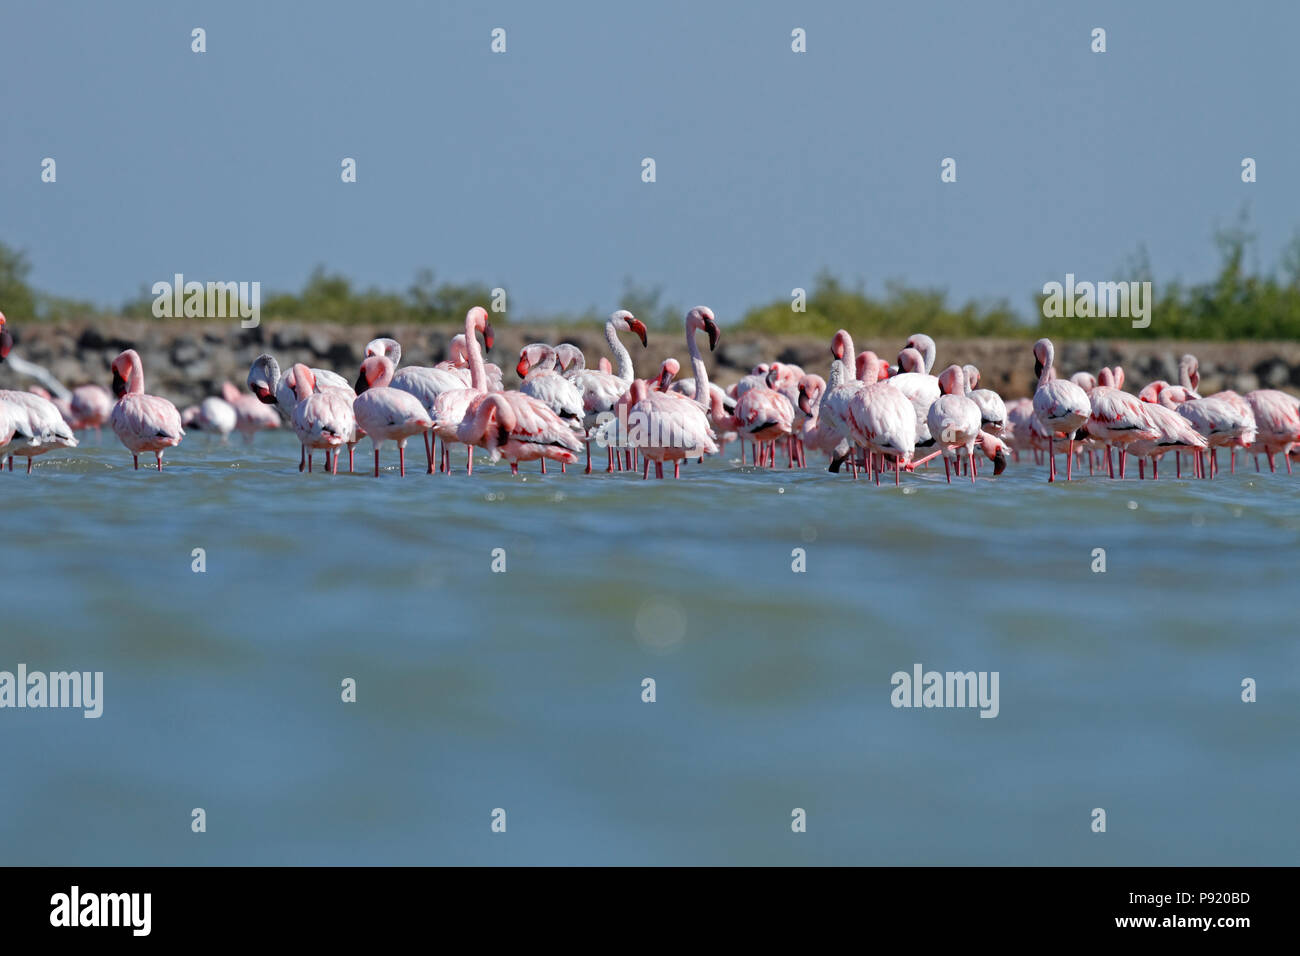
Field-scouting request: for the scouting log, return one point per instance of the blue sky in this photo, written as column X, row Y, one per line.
column 523, row 169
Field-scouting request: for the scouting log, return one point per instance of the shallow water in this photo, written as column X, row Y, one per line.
column 522, row 690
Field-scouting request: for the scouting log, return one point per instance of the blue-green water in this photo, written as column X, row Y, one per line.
column 522, row 690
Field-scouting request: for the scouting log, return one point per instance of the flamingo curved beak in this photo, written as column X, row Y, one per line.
column 638, row 327
column 362, row 383
column 711, row 327
column 488, row 335
column 6, row 343
column 119, row 384
column 805, row 406
column 263, row 394
column 522, row 368
column 1000, row 462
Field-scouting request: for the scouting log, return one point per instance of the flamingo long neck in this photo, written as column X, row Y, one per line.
column 136, row 384
column 697, row 366
column 393, row 349
column 1048, row 372
column 619, row 351
column 477, row 377
column 850, row 356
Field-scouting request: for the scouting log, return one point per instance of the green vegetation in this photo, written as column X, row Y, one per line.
column 1235, row 304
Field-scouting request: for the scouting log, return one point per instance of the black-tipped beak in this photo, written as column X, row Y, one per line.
column 638, row 327
column 804, row 404
column 263, row 394
column 712, row 328
column 1038, row 369
column 488, row 335
column 999, row 462
column 361, row 384
column 119, row 384
column 6, row 343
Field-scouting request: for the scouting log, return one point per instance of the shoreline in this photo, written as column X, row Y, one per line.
column 188, row 359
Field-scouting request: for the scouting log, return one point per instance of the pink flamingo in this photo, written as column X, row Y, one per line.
column 322, row 419
column 1060, row 407
column 1175, row 433
column 251, row 416
column 90, row 406
column 882, row 420
column 517, row 427
column 915, row 381
column 955, row 420
column 764, row 416
column 1277, row 423
column 601, row 390
column 1221, row 423
column 385, row 412
column 454, row 407
column 814, row 434
column 38, row 427
column 993, row 411
column 142, row 422
column 541, row 381
column 664, row 426
column 1117, row 418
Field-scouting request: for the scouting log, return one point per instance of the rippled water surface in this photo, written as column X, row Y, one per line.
column 522, row 690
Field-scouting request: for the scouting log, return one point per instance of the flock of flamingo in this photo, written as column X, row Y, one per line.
column 867, row 413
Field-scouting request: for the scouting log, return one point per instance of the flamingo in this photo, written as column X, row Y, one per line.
column 384, row 412
column 993, row 411
column 37, row 427
column 1116, row 418
column 955, row 420
column 840, row 389
column 765, row 416
column 1277, row 423
column 662, row 426
column 915, row 381
column 324, row 418
column 1221, row 423
column 517, row 427
column 602, row 390
column 265, row 382
column 1175, row 433
column 211, row 415
column 814, row 434
column 453, row 407
column 90, row 406
column 882, row 420
column 426, row 383
column 142, row 422
column 251, row 415
column 540, row 380
column 1060, row 407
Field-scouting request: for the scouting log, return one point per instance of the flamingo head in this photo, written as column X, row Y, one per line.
column 952, row 380
column 123, row 367
column 529, row 356
column 773, row 374
column 457, row 353
column 1043, row 355
column 972, row 376
column 923, row 344
column 477, row 318
column 1085, row 380
column 376, row 372
column 996, row 449
column 1151, row 393
column 667, row 372
column 263, row 377
column 569, row 356
column 1190, row 370
column 810, row 392
column 627, row 322
column 1106, row 378
column 911, row 360
column 390, row 348
column 840, row 344
column 701, row 317
column 1119, row 376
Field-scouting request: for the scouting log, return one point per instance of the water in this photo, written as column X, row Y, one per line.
column 522, row 690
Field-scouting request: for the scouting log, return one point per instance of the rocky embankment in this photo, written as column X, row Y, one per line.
column 187, row 360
